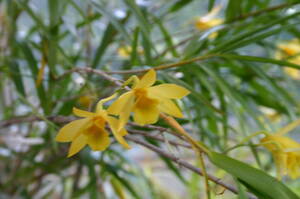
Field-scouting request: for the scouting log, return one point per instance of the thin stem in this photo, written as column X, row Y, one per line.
column 158, row 138
column 248, row 138
column 288, row 128
column 198, row 147
column 185, row 164
column 259, row 12
column 206, row 179
column 165, row 66
column 173, row 123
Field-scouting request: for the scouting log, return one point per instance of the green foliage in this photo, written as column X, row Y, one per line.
column 238, row 78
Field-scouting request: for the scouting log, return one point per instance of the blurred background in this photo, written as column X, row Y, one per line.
column 247, row 81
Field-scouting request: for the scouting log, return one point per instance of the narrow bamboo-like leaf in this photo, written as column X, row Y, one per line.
column 258, row 37
column 179, row 4
column 122, row 181
column 113, row 20
column 257, row 179
column 134, row 58
column 247, row 34
column 234, row 8
column 17, row 77
column 173, row 168
column 118, row 189
column 167, row 38
column 169, row 163
column 107, row 38
column 145, row 26
column 32, row 65
column 33, row 15
column 242, row 193
column 260, row 59
column 233, row 96
column 147, row 50
column 211, row 4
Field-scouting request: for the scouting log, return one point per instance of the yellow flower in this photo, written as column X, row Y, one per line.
column 125, row 51
column 147, row 101
column 204, row 24
column 290, row 51
column 292, row 72
column 286, row 156
column 286, row 152
column 209, row 21
column 91, row 130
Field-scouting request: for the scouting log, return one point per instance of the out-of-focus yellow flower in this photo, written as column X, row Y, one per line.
column 290, row 51
column 286, row 156
column 86, row 100
column 125, row 51
column 209, row 20
column 91, row 130
column 286, row 151
column 292, row 72
column 147, row 101
column 204, row 24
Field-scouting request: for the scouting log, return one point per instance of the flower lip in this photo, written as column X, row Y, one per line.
column 143, row 100
column 140, row 92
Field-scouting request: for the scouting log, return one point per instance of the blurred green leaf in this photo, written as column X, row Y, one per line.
column 263, row 184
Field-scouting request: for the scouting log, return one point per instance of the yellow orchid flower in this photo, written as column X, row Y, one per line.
column 286, row 151
column 125, row 51
column 147, row 101
column 286, row 159
column 209, row 20
column 91, row 130
column 204, row 24
column 290, row 51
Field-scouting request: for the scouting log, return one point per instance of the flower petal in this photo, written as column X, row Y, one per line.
column 82, row 113
column 122, row 107
column 144, row 116
column 114, row 125
column 281, row 163
column 99, row 140
column 171, row 91
column 147, row 80
column 293, row 165
column 118, row 105
column 124, row 116
column 70, row 130
column 77, row 145
column 169, row 107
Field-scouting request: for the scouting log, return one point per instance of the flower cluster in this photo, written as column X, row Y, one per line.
column 144, row 100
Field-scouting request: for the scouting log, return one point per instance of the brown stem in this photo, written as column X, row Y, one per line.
column 161, row 139
column 259, row 12
column 185, row 164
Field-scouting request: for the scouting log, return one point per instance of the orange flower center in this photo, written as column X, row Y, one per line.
column 142, row 99
column 289, row 51
column 99, row 121
column 97, row 125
